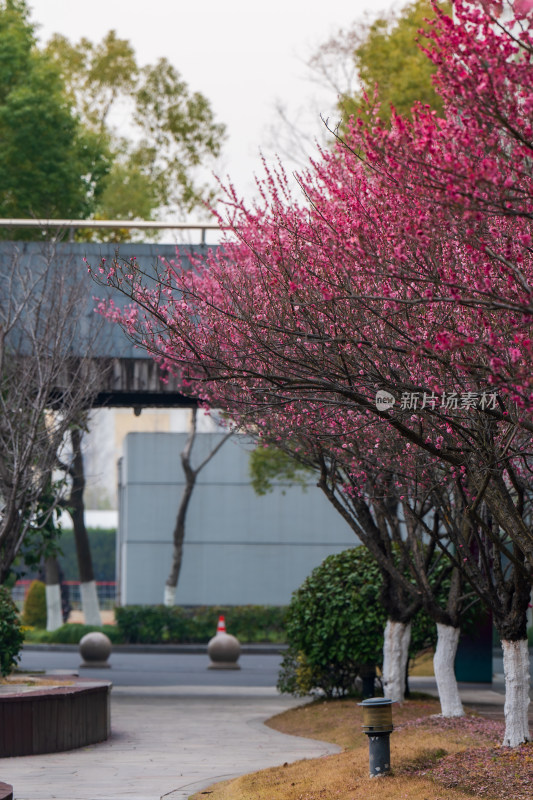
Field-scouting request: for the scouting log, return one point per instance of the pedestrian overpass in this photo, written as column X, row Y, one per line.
column 128, row 376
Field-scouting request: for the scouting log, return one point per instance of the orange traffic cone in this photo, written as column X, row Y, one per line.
column 221, row 627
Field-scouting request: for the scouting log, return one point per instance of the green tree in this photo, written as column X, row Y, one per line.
column 389, row 58
column 96, row 75
column 50, row 165
column 268, row 464
column 172, row 132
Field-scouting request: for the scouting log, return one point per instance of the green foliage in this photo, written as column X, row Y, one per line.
column 11, row 635
column 268, row 464
column 103, row 554
column 335, row 626
column 63, row 544
column 42, row 538
column 162, row 624
column 49, row 165
column 71, row 633
column 128, row 192
column 390, row 58
column 34, row 612
column 176, row 625
column 95, row 74
column 174, row 130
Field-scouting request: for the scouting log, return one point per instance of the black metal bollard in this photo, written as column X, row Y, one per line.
column 377, row 724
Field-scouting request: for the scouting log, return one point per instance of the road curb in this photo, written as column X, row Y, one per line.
column 187, row 649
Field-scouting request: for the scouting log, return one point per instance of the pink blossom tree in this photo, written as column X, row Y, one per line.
column 405, row 270
column 390, row 513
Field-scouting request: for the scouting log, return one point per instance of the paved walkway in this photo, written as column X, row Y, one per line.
column 166, row 743
column 169, row 741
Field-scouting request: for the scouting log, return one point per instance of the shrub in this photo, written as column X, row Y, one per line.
column 299, row 678
column 71, row 633
column 11, row 635
column 160, row 624
column 149, row 624
column 34, row 613
column 247, row 623
column 334, row 626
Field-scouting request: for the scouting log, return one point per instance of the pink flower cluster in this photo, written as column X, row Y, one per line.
column 405, row 266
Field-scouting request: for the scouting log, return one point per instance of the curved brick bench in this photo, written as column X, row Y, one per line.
column 42, row 719
column 6, row 791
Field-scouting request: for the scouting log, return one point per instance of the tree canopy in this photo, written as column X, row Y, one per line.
column 392, row 66
column 50, row 165
column 159, row 157
column 66, row 151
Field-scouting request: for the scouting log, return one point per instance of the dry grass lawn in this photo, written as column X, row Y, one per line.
column 432, row 759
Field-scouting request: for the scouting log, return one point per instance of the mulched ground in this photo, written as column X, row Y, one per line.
column 502, row 772
column 487, row 771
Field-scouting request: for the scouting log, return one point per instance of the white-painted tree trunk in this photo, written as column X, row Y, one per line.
column 443, row 664
column 169, row 595
column 89, row 603
column 395, row 654
column 54, row 614
column 516, row 671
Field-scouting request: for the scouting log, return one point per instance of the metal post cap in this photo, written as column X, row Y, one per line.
column 377, row 715
column 377, row 701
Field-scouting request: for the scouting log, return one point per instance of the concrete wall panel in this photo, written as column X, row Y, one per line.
column 239, row 548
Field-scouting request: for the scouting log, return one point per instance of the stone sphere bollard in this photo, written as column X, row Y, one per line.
column 95, row 649
column 224, row 651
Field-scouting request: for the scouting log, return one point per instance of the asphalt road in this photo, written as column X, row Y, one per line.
column 159, row 669
column 178, row 668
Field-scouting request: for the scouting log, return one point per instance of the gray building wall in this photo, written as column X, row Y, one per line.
column 239, row 548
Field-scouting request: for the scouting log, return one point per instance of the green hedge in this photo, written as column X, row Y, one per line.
column 162, row 624
column 71, row 633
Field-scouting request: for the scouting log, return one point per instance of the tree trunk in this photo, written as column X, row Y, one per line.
column 516, row 671
column 54, row 615
column 395, row 654
column 443, row 664
column 178, row 538
column 178, row 535
column 90, row 604
column 88, row 591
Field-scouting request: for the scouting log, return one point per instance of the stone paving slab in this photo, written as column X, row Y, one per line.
column 167, row 742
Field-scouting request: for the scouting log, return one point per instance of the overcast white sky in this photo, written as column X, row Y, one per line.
column 243, row 56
